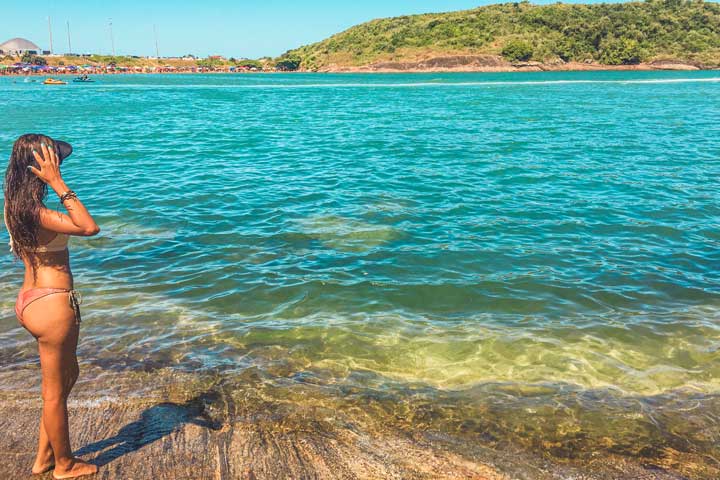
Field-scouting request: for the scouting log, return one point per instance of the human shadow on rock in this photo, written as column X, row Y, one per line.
column 154, row 423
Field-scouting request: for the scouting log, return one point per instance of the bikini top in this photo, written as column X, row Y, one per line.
column 58, row 244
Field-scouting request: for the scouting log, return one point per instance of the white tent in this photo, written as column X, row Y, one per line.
column 18, row 46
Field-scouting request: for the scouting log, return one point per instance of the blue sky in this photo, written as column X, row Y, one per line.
column 248, row 28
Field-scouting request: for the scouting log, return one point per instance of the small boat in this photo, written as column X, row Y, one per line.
column 83, row 80
column 54, row 81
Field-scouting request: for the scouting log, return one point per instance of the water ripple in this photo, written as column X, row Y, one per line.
column 447, row 230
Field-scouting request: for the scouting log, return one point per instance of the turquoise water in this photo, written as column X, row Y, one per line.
column 450, row 232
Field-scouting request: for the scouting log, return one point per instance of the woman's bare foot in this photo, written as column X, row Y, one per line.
column 76, row 468
column 39, row 469
column 43, row 463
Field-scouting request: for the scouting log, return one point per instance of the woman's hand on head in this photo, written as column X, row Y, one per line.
column 47, row 159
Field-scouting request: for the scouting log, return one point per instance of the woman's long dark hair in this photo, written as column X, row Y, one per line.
column 24, row 194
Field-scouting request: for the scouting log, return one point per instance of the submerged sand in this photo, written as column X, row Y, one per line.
column 168, row 425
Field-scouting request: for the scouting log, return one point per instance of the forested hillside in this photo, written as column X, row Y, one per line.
column 611, row 34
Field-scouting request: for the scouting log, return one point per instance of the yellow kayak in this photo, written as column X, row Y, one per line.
column 53, row 81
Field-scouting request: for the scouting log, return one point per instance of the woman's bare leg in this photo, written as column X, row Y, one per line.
column 45, row 459
column 52, row 321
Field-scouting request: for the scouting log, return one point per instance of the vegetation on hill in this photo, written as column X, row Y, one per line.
column 611, row 34
column 32, row 58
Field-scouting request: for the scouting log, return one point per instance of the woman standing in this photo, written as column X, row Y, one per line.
column 47, row 305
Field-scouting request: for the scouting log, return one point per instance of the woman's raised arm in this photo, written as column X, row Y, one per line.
column 78, row 221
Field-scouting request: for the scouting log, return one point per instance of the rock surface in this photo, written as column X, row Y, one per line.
column 178, row 440
column 167, row 425
column 495, row 63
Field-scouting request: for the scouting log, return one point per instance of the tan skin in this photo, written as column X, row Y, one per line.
column 51, row 320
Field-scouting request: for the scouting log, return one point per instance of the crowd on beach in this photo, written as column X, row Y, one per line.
column 21, row 68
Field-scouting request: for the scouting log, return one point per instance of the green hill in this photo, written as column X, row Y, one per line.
column 610, row 34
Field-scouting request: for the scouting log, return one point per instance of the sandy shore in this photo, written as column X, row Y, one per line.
column 169, row 425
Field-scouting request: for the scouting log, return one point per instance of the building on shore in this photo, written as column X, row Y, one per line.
column 19, row 46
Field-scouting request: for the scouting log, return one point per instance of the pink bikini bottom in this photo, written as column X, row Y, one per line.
column 29, row 296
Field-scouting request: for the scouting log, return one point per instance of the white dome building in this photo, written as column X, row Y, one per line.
column 19, row 46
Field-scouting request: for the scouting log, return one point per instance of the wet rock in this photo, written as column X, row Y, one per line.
column 167, row 425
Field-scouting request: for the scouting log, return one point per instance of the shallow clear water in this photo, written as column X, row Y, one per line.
column 443, row 231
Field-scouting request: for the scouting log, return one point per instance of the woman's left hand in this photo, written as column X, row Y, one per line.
column 49, row 171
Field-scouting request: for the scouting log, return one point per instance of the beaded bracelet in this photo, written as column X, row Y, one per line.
column 67, row 196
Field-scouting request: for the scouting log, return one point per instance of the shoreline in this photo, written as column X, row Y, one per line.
column 459, row 64
column 493, row 63
column 167, row 424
